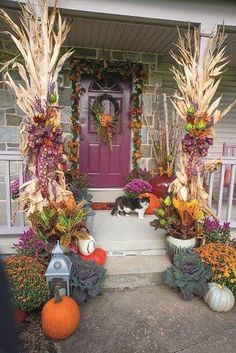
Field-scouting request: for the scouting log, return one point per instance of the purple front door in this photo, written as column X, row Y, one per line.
column 105, row 167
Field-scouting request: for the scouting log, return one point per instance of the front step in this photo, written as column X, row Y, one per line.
column 135, row 271
column 127, row 235
column 106, row 195
column 136, row 252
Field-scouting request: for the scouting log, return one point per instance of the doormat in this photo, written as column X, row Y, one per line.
column 96, row 206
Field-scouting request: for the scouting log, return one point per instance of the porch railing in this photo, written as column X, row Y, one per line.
column 11, row 168
column 222, row 190
column 220, row 184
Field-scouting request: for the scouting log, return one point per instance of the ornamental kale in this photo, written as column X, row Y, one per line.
column 86, row 278
column 189, row 274
column 136, row 187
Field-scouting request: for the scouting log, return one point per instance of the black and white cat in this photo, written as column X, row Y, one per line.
column 125, row 205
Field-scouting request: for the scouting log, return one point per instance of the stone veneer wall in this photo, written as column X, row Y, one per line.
column 11, row 116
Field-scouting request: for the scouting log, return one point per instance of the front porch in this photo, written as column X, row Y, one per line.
column 100, row 37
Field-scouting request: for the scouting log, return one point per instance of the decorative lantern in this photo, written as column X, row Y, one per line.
column 58, row 272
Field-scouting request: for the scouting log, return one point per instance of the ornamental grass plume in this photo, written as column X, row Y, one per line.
column 136, row 187
column 222, row 258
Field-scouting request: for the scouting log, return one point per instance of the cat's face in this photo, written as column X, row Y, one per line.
column 145, row 201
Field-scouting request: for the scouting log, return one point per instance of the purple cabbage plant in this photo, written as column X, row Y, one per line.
column 86, row 278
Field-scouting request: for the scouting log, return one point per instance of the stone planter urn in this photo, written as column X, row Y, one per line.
column 178, row 246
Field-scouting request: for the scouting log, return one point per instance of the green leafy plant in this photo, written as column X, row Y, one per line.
column 180, row 219
column 189, row 274
column 27, row 282
column 64, row 222
column 69, row 224
column 43, row 222
column 86, row 278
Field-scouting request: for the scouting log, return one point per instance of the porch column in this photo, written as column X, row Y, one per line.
column 206, row 32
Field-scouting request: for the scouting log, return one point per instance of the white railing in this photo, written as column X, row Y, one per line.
column 11, row 168
column 222, row 190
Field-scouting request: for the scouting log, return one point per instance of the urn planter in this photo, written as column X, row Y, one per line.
column 160, row 185
column 176, row 246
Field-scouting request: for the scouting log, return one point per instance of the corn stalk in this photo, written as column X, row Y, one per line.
column 39, row 38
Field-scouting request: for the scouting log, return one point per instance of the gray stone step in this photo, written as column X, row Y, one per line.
column 135, row 271
column 127, row 234
column 105, row 195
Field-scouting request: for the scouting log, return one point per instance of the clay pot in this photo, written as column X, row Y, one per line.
column 160, row 185
column 20, row 316
column 154, row 203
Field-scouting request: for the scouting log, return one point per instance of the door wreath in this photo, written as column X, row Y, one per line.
column 107, row 125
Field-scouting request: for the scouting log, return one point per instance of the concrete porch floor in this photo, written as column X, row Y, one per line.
column 150, row 320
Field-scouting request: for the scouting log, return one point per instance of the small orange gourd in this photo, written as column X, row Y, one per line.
column 60, row 317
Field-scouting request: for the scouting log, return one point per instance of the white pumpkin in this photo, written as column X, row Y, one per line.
column 87, row 246
column 219, row 298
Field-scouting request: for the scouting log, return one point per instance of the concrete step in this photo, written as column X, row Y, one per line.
column 106, row 195
column 135, row 271
column 127, row 235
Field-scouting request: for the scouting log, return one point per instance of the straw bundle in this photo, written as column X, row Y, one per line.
column 197, row 84
column 39, row 38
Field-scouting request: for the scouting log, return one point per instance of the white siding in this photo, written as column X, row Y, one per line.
column 225, row 130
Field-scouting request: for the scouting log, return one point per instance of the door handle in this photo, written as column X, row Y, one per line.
column 82, row 121
column 82, row 138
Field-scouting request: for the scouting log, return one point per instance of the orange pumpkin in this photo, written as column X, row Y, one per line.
column 99, row 256
column 154, row 203
column 60, row 317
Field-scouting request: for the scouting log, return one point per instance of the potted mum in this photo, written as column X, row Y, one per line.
column 142, row 188
column 27, row 283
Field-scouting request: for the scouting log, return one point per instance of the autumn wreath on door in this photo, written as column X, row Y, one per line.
column 108, row 126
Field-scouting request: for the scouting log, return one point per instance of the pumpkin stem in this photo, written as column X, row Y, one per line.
column 57, row 295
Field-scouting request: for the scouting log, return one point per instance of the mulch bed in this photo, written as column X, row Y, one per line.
column 31, row 338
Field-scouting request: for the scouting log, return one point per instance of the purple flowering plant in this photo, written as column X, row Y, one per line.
column 15, row 186
column 214, row 232
column 31, row 245
column 136, row 187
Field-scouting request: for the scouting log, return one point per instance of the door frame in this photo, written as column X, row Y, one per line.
column 133, row 70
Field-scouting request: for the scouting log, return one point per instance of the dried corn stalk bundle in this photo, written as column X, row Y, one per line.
column 165, row 136
column 39, row 38
column 197, row 84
